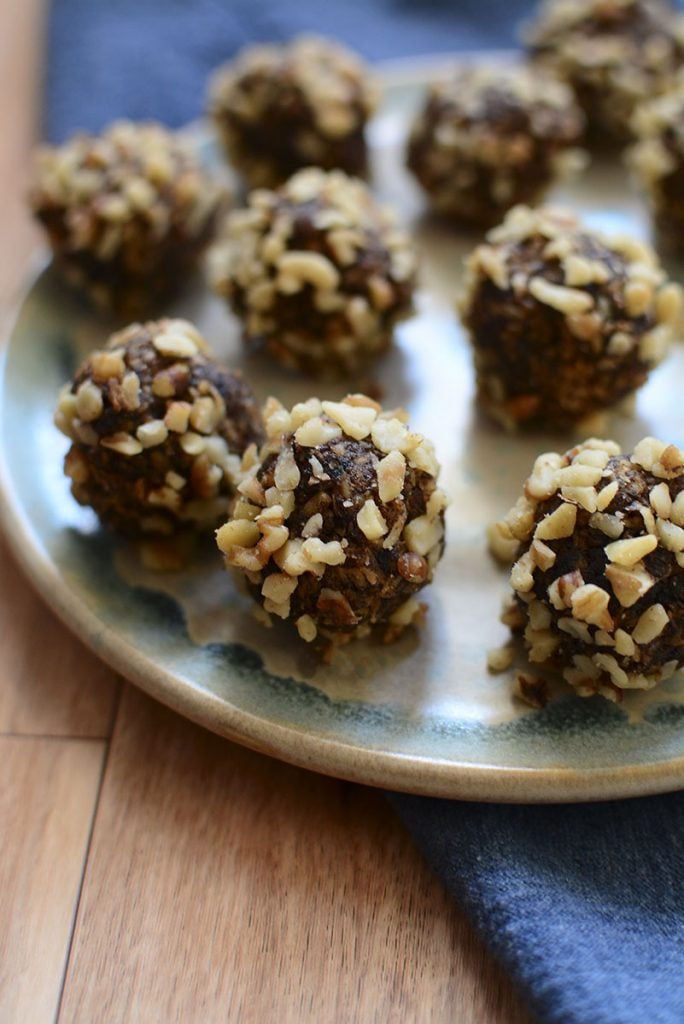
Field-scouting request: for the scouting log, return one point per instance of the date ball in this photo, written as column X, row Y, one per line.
column 599, row 578
column 158, row 429
column 494, row 137
column 564, row 323
column 317, row 271
column 280, row 108
column 657, row 160
column 614, row 54
column 339, row 523
column 127, row 213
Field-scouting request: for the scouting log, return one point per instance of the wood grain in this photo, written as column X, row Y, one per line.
column 21, row 32
column 48, row 792
column 222, row 886
column 50, row 684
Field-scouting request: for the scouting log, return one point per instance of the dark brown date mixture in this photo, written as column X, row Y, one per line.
column 564, row 323
column 279, row 108
column 599, row 578
column 339, row 523
column 318, row 272
column 614, row 54
column 158, row 429
column 657, row 160
column 493, row 137
column 127, row 214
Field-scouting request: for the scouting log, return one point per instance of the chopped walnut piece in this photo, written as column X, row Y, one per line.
column 670, row 536
column 355, row 421
column 590, row 604
column 557, row 524
column 650, row 625
column 502, row 544
column 629, row 585
column 306, row 627
column 630, row 551
column 370, row 520
column 240, row 532
column 542, row 555
column 391, row 473
column 500, row 658
column 105, row 365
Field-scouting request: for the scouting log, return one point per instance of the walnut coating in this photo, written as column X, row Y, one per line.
column 599, row 576
column 158, row 430
column 278, row 108
column 317, row 271
column 614, row 54
column 493, row 137
column 564, row 323
column 127, row 213
column 310, row 531
column 657, row 160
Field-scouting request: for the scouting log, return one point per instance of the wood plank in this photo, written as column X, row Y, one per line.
column 48, row 792
column 21, row 29
column 49, row 683
column 222, row 885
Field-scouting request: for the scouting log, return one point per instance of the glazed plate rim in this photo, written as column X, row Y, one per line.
column 308, row 748
column 436, row 777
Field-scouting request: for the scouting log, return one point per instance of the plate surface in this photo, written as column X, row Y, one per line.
column 423, row 715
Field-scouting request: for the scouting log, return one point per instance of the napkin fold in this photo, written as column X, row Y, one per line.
column 584, row 905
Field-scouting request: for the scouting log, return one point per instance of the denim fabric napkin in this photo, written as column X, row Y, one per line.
column 584, row 905
column 150, row 58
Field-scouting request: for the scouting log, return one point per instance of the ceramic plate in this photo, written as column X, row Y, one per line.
column 423, row 715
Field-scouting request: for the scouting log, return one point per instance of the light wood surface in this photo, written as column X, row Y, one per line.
column 21, row 44
column 47, row 799
column 50, row 685
column 152, row 872
column 262, row 892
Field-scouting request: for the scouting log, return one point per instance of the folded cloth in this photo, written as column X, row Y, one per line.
column 150, row 58
column 584, row 905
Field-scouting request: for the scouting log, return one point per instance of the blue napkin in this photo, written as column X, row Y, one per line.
column 584, row 905
column 150, row 58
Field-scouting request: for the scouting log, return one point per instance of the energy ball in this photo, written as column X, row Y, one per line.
column 317, row 271
column 127, row 213
column 564, row 322
column 614, row 54
column 493, row 137
column 599, row 576
column 158, row 430
column 280, row 108
column 657, row 160
column 339, row 523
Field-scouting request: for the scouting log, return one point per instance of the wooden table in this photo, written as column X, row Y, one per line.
column 153, row 872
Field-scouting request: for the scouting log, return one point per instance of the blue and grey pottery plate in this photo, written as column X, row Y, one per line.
column 423, row 715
